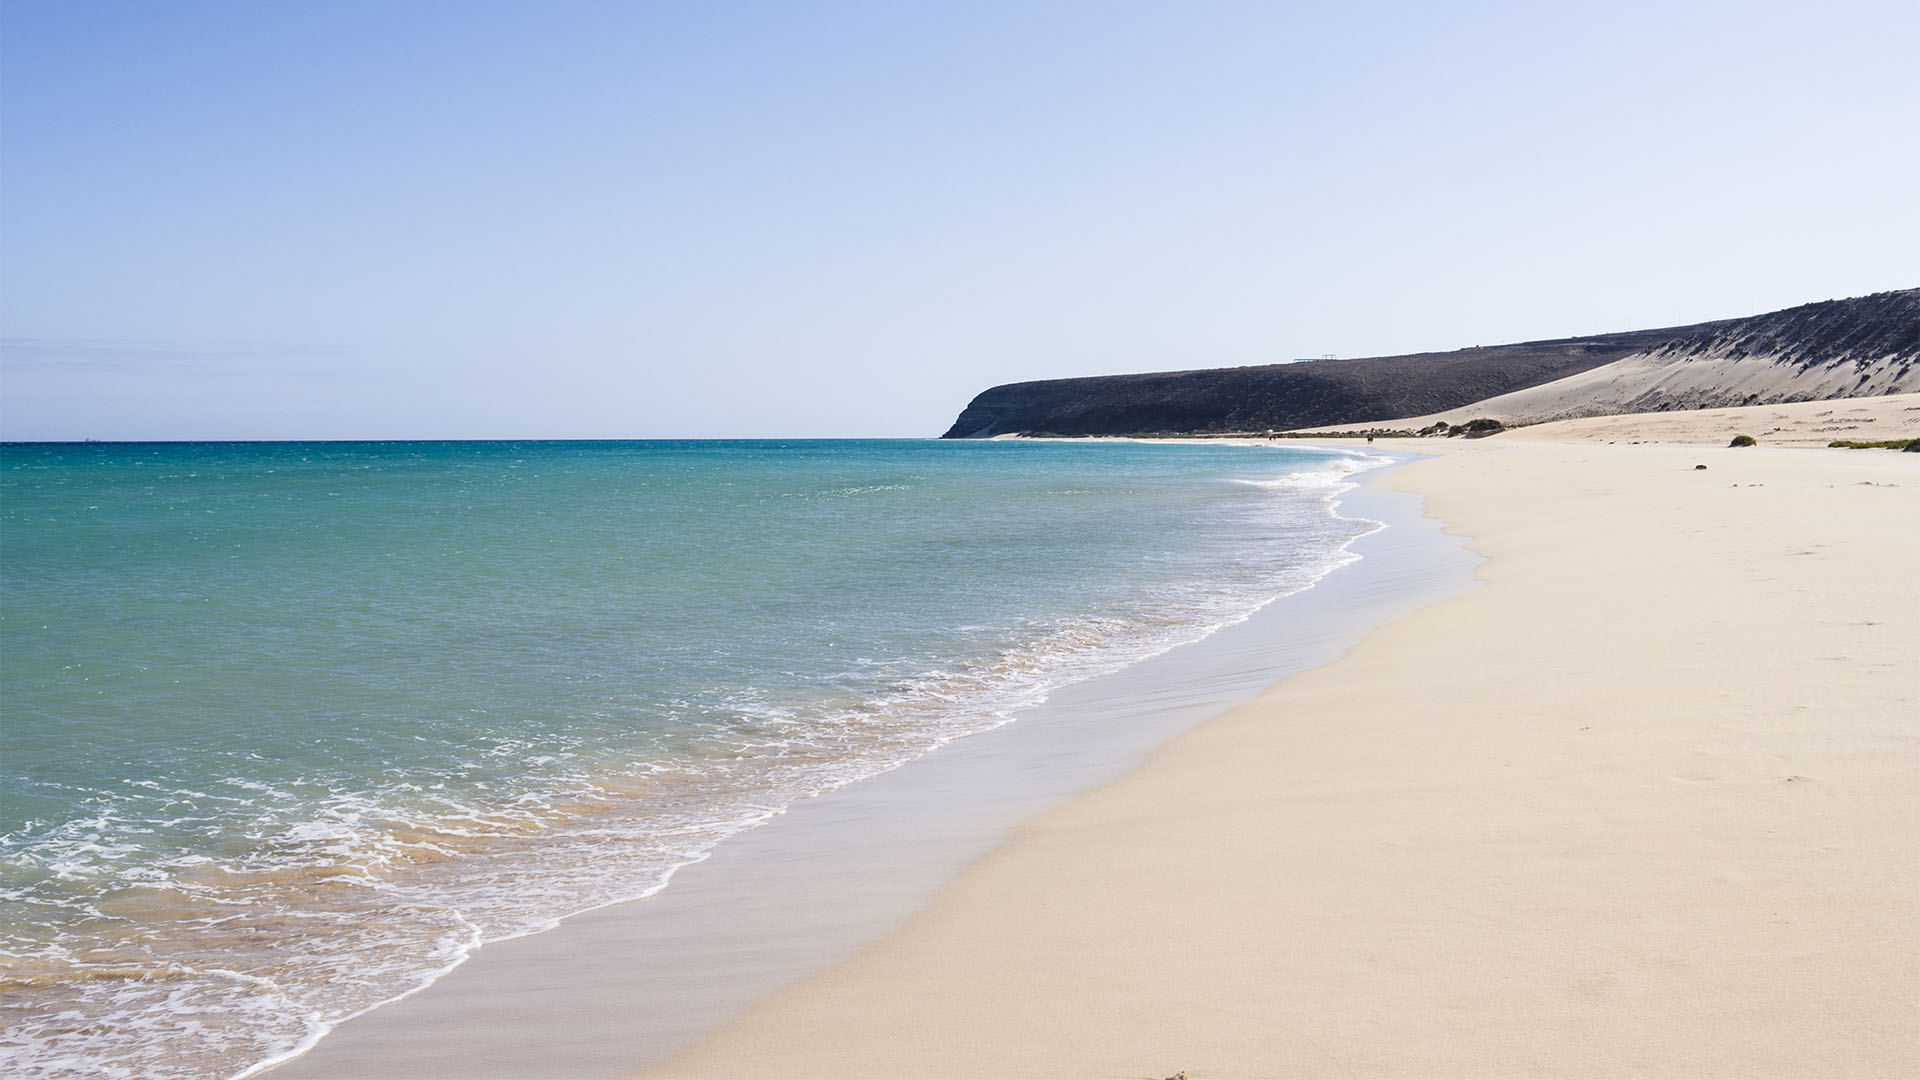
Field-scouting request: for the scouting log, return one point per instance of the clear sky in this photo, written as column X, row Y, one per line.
column 412, row 218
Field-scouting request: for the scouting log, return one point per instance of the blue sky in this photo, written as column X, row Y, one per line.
column 576, row 219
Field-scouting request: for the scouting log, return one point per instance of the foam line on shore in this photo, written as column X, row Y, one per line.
column 835, row 872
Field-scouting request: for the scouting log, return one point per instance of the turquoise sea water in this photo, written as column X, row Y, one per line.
column 291, row 728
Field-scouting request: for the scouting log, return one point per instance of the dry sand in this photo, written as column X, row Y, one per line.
column 1799, row 423
column 1638, row 383
column 1802, row 423
column 1645, row 804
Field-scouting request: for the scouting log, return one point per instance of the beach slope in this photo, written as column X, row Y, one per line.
column 1643, row 804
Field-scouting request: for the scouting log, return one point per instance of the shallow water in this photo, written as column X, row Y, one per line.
column 291, row 728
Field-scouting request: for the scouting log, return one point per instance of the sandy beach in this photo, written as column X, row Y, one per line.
column 918, row 541
column 1643, row 804
column 612, row 991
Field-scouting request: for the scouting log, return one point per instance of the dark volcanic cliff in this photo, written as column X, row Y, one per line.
column 1882, row 331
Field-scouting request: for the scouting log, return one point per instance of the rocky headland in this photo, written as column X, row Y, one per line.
column 1861, row 347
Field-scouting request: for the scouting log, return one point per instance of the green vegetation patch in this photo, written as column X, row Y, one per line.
column 1743, row 440
column 1911, row 446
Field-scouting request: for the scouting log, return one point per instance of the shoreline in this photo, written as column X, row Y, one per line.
column 1641, row 804
column 619, row 988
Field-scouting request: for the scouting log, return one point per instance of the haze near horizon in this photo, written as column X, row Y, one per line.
column 440, row 220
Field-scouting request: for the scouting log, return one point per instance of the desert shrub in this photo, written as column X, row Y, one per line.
column 1482, row 427
column 1909, row 445
column 1743, row 440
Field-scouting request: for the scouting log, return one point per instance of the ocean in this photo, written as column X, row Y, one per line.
column 289, row 730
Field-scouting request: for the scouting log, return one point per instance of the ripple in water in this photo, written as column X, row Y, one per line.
column 295, row 728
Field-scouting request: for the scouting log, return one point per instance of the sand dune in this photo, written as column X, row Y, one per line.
column 1649, row 382
column 1803, row 423
column 1840, row 350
